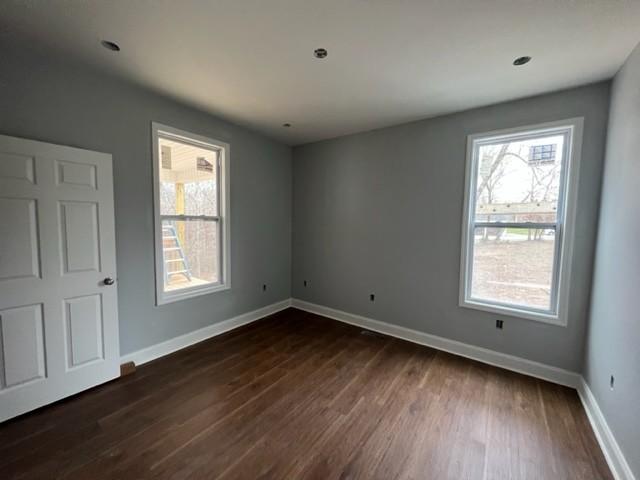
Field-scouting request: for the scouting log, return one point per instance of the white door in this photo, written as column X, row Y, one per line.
column 58, row 301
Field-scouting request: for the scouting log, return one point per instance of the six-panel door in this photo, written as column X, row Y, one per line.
column 58, row 319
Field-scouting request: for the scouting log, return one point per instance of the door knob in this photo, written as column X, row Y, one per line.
column 109, row 281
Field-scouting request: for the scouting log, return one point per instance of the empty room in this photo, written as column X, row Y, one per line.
column 335, row 239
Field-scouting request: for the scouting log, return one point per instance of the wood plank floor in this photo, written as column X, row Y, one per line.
column 300, row 396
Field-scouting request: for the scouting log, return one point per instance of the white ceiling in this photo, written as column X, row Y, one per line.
column 390, row 61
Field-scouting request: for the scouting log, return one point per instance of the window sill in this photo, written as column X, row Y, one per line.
column 187, row 293
column 514, row 312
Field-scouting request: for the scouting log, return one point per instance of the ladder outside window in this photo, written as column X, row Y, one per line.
column 175, row 261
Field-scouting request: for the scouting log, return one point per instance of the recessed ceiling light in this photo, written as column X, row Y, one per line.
column 320, row 53
column 286, row 125
column 521, row 61
column 114, row 47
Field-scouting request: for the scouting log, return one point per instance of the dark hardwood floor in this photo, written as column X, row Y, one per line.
column 299, row 396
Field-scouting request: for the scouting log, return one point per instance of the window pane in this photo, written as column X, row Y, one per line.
column 519, row 181
column 188, row 179
column 191, row 255
column 513, row 266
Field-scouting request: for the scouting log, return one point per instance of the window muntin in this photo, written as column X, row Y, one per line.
column 191, row 205
column 514, row 245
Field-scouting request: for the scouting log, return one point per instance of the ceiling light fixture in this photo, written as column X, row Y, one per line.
column 320, row 53
column 286, row 125
column 521, row 61
column 114, row 47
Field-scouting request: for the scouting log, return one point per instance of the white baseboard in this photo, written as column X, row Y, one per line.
column 615, row 458
column 165, row 348
column 491, row 357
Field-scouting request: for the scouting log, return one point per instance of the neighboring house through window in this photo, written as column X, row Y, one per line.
column 542, row 153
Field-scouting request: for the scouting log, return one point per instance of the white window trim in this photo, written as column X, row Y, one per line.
column 224, row 148
column 565, row 251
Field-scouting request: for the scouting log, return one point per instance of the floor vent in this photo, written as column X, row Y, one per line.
column 370, row 333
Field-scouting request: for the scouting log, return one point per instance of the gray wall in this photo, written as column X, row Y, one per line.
column 613, row 341
column 42, row 99
column 382, row 212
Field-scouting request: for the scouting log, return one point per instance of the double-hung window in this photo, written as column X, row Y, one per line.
column 518, row 220
column 191, row 200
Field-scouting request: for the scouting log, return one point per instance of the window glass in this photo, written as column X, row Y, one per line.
column 510, row 186
column 196, row 261
column 513, row 266
column 187, row 179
